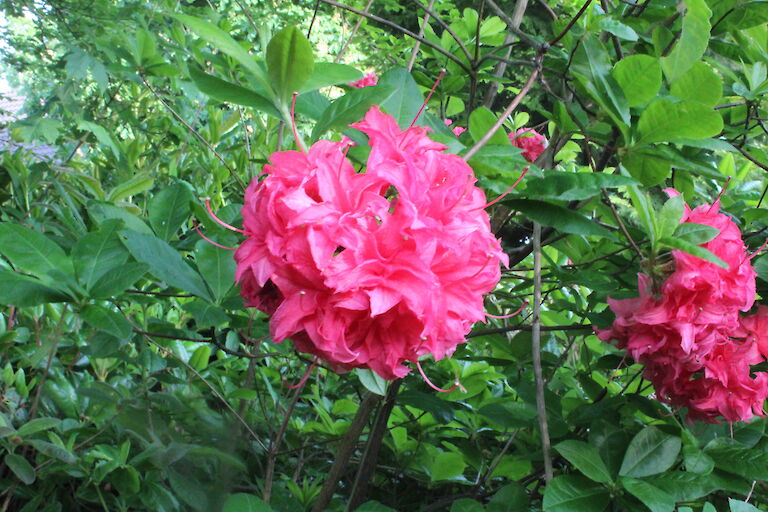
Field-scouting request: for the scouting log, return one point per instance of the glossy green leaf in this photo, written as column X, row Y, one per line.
column 446, row 465
column 20, row 290
column 54, row 451
column 132, row 187
column 467, row 505
column 165, row 263
column 569, row 185
column 206, row 314
column 200, row 357
column 639, row 77
column 223, row 90
column 289, row 62
column 586, row 459
column 510, row 498
column 480, row 122
column 217, row 266
column 665, row 121
column 695, row 250
column 700, row 83
column 37, row 425
column 372, row 381
column 107, row 320
column 563, row 219
column 325, row 74
column 20, row 467
column 242, row 502
column 350, row 108
column 647, row 166
column 32, row 252
column 118, row 280
column 652, row 497
column 99, row 253
column 696, row 234
column 573, row 493
column 741, row 506
column 650, row 452
column 168, row 210
column 669, row 216
column 406, row 100
column 693, row 40
column 224, row 42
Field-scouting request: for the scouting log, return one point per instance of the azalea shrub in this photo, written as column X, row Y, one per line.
column 324, row 256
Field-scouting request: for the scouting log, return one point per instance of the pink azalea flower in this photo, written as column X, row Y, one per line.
column 369, row 79
column 457, row 130
column 530, row 141
column 696, row 348
column 373, row 269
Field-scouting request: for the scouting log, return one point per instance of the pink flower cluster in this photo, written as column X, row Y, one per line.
column 696, row 347
column 530, row 141
column 457, row 130
column 373, row 269
column 369, row 79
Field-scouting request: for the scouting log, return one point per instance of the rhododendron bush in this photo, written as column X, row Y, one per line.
column 371, row 256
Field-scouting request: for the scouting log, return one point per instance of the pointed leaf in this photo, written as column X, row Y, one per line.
column 289, row 62
column 586, row 459
column 650, row 452
column 169, row 209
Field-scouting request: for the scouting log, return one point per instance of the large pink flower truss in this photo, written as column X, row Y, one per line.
column 369, row 269
column 696, row 346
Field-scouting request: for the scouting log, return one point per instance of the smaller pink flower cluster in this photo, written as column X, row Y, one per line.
column 369, row 79
column 457, row 130
column 373, row 269
column 696, row 347
column 530, row 141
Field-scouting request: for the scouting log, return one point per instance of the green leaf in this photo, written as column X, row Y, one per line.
column 20, row 467
column 118, row 280
column 652, row 497
column 132, row 187
column 442, row 411
column 693, row 41
column 217, row 267
column 52, row 450
column 101, row 212
column 169, row 209
column 242, row 502
column 586, row 459
column 37, row 425
column 32, row 251
column 289, row 62
column 467, row 505
column 224, row 42
column 206, row 314
column 594, row 70
column 639, row 76
column 505, row 161
column 741, row 506
column 734, row 458
column 372, row 381
column 670, row 215
column 350, row 108
column 700, row 83
column 509, row 414
column 99, row 253
column 618, row 29
column 20, row 290
column 568, row 186
column 106, row 320
column 326, row 74
column 563, row 219
column 650, row 452
column 510, row 498
column 573, row 493
column 695, row 250
column 446, row 466
column 696, row 461
column 647, row 166
column 406, row 100
column 165, row 263
column 665, row 121
column 695, row 234
column 200, row 357
column 480, row 121
column 223, row 90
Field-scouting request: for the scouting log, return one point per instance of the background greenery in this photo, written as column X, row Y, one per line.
column 131, row 376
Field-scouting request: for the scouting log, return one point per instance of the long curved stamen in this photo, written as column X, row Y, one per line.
column 510, row 315
column 722, row 190
column 304, row 378
column 194, row 223
column 485, row 265
column 293, row 124
column 424, row 105
column 429, row 382
column 510, row 189
column 218, row 220
column 757, row 251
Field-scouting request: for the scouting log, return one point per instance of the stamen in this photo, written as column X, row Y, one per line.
column 293, row 124
column 218, row 220
column 424, row 105
column 717, row 200
column 510, row 315
column 304, row 378
column 194, row 223
column 758, row 250
column 516, row 183
column 481, row 269
column 429, row 382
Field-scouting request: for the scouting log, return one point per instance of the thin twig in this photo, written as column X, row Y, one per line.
column 417, row 45
column 541, row 407
column 352, row 34
column 571, row 23
column 195, row 133
column 447, row 28
column 210, row 340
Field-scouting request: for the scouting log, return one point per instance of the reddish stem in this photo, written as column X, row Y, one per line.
column 424, row 105
column 194, row 223
column 429, row 382
column 218, row 220
column 510, row 315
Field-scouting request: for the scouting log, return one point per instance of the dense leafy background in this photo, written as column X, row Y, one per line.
column 131, row 376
